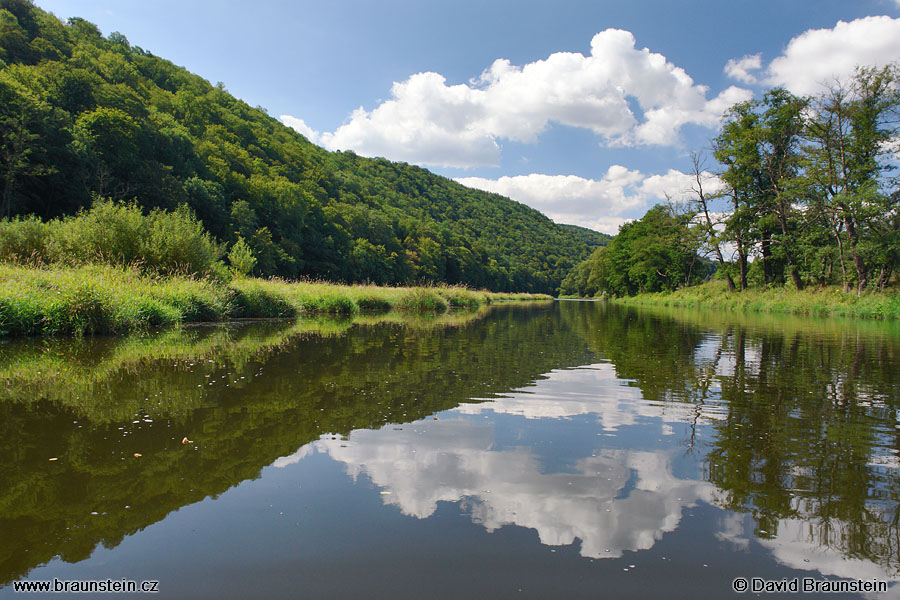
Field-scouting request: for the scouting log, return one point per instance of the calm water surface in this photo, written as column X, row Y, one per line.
column 561, row 450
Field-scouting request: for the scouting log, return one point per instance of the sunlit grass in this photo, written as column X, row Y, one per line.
column 101, row 299
column 97, row 299
column 825, row 302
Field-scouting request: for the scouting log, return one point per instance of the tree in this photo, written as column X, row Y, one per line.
column 241, row 258
column 760, row 149
column 736, row 149
column 653, row 254
column 779, row 138
column 108, row 141
column 21, row 119
column 13, row 39
column 850, row 137
column 701, row 201
column 16, row 144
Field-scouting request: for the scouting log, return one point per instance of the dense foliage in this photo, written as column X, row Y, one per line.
column 656, row 253
column 83, row 116
column 809, row 187
column 807, row 191
column 161, row 241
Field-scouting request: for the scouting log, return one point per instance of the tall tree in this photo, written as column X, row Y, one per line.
column 655, row 253
column 779, row 137
column 851, row 134
column 736, row 149
column 760, row 147
column 701, row 201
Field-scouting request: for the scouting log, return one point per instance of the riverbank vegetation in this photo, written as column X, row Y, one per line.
column 805, row 197
column 84, row 116
column 823, row 302
column 99, row 298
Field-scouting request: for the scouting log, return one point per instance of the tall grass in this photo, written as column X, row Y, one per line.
column 825, row 302
column 101, row 299
column 89, row 299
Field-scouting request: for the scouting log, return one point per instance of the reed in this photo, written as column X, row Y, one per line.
column 100, row 299
column 824, row 302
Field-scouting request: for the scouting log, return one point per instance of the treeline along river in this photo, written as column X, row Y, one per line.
column 568, row 448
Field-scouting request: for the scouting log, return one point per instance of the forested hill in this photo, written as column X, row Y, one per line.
column 594, row 239
column 85, row 116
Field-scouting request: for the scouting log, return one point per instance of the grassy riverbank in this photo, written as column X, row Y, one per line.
column 107, row 299
column 828, row 302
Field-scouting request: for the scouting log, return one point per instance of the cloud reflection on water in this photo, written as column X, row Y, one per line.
column 613, row 501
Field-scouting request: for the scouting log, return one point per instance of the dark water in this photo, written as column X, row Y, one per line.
column 561, row 450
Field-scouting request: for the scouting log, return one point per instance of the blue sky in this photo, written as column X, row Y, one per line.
column 587, row 111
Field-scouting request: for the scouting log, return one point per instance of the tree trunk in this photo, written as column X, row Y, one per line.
column 886, row 273
column 690, row 272
column 721, row 259
column 795, row 274
column 858, row 263
column 840, row 242
column 742, row 254
column 729, row 281
column 766, row 252
column 798, row 281
column 710, row 229
column 861, row 275
column 742, row 265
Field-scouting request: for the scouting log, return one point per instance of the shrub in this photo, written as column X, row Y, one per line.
column 23, row 240
column 115, row 233
column 241, row 258
column 177, row 242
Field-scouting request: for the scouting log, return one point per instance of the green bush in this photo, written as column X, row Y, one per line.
column 241, row 258
column 114, row 233
column 177, row 242
column 24, row 240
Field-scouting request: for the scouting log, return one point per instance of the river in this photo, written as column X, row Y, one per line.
column 564, row 449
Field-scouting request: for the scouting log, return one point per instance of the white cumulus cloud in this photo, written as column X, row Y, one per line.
column 820, row 56
column 740, row 68
column 625, row 95
column 597, row 204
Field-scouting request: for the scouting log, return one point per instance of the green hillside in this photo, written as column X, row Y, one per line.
column 85, row 116
column 593, row 239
